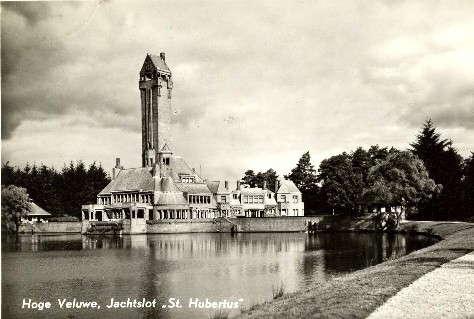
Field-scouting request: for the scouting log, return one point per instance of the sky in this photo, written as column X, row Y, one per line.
column 256, row 84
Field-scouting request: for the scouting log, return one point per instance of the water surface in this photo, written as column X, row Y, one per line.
column 242, row 268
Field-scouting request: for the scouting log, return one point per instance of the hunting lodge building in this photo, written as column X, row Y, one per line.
column 165, row 187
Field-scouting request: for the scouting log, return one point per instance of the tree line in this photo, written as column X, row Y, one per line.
column 430, row 179
column 61, row 193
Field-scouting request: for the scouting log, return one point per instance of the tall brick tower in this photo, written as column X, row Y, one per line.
column 155, row 90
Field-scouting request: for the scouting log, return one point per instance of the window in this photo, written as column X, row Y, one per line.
column 295, row 198
column 235, row 196
column 187, row 179
column 169, row 94
column 140, row 213
column 223, row 199
column 246, row 199
column 283, row 198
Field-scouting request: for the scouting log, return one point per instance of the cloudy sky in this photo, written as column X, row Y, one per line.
column 255, row 84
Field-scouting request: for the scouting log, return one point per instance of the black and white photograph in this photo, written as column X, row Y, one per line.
column 237, row 159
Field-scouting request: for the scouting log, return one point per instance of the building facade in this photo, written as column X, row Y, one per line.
column 165, row 187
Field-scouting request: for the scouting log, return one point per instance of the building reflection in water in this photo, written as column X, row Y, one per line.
column 184, row 266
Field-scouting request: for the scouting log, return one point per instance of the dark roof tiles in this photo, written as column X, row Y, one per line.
column 193, row 188
column 159, row 63
column 287, row 186
column 131, row 179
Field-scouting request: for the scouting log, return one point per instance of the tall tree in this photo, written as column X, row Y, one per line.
column 256, row 180
column 339, row 184
column 467, row 190
column 270, row 176
column 14, row 205
column 60, row 193
column 249, row 178
column 400, row 180
column 444, row 165
column 343, row 177
column 304, row 176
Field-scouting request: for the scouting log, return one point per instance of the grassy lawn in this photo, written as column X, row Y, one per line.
column 358, row 294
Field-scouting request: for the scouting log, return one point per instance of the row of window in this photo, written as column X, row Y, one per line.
column 192, row 199
column 284, row 212
column 283, row 198
column 187, row 180
column 125, row 198
column 249, row 199
column 199, row 199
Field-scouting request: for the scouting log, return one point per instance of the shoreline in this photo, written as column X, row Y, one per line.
column 358, row 294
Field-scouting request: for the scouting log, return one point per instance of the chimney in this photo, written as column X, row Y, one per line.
column 264, row 185
column 156, row 170
column 162, row 56
column 238, row 185
column 226, row 185
column 277, row 186
column 194, row 170
column 116, row 169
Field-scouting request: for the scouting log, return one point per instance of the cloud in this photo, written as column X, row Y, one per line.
column 253, row 88
column 31, row 12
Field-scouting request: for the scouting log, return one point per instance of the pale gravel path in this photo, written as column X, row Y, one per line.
column 447, row 292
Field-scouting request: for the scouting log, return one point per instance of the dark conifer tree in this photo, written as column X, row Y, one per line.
column 444, row 165
column 468, row 190
column 305, row 178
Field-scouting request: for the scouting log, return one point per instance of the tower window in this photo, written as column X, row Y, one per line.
column 169, row 94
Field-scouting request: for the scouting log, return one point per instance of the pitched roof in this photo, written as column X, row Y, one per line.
column 131, row 179
column 213, row 186
column 158, row 62
column 179, row 167
column 167, row 185
column 169, row 199
column 34, row 209
column 222, row 189
column 252, row 190
column 287, row 186
column 165, row 148
column 193, row 188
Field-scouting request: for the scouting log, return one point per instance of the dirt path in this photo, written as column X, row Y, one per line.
column 447, row 292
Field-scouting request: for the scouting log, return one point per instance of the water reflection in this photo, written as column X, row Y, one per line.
column 214, row 266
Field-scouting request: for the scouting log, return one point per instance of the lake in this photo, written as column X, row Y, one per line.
column 236, row 271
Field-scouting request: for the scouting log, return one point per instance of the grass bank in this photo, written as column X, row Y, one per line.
column 358, row 294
